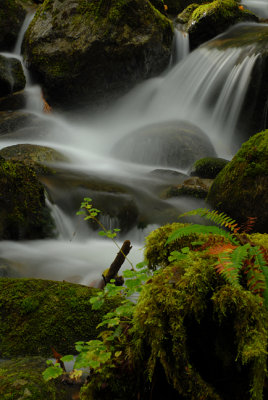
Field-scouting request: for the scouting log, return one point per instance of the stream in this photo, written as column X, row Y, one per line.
column 205, row 87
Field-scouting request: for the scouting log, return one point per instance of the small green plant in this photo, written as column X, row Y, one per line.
column 99, row 354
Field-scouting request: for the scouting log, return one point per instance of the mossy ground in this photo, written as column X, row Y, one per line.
column 37, row 314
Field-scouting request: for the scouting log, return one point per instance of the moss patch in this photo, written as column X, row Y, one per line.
column 36, row 314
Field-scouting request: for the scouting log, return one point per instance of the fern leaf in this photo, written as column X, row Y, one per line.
column 228, row 269
column 221, row 248
column 257, row 274
column 221, row 219
column 200, row 229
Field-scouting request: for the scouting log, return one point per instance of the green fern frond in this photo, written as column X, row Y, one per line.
column 257, row 275
column 229, row 270
column 201, row 229
column 220, row 219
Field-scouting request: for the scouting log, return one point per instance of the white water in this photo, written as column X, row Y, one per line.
column 259, row 7
column 205, row 87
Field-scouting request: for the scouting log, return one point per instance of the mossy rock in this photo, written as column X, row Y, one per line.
column 117, row 44
column 32, row 153
column 208, row 167
column 240, row 189
column 12, row 77
column 13, row 102
column 198, row 337
column 21, row 378
column 23, row 212
column 211, row 19
column 37, row 314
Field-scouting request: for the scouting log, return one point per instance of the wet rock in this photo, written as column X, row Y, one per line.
column 117, row 44
column 209, row 20
column 23, row 212
column 13, row 102
column 177, row 6
column 12, row 78
column 12, row 15
column 208, row 167
column 171, row 144
column 240, row 189
column 193, row 187
column 31, row 153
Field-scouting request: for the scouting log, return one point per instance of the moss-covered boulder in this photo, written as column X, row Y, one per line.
column 177, row 6
column 95, row 50
column 240, row 189
column 38, row 314
column 21, row 378
column 12, row 15
column 208, row 167
column 23, row 212
column 172, row 144
column 211, row 19
column 12, row 78
column 252, row 41
column 31, row 153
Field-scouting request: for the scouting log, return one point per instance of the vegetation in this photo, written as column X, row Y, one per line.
column 209, row 301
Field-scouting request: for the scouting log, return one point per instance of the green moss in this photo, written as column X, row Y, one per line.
column 208, row 167
column 201, row 331
column 240, row 189
column 22, row 379
column 39, row 314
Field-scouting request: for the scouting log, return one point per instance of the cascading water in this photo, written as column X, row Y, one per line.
column 259, row 7
column 205, row 87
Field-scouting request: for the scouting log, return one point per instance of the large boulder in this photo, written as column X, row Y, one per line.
column 12, row 15
column 209, row 20
column 95, row 50
column 252, row 39
column 207, row 167
column 12, row 78
column 240, row 189
column 38, row 314
column 23, row 212
column 172, row 144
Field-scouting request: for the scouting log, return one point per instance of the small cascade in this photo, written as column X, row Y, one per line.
column 26, row 23
column 64, row 224
column 259, row 7
column 181, row 45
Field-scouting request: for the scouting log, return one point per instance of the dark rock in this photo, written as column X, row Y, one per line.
column 240, row 189
column 12, row 15
column 94, row 51
column 173, row 144
column 193, row 187
column 13, row 102
column 12, row 78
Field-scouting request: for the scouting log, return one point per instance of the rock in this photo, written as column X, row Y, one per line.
column 12, row 15
column 209, row 20
column 21, row 378
column 13, row 102
column 12, row 78
column 240, row 189
column 172, row 144
column 31, row 153
column 23, row 212
column 253, row 42
column 207, row 167
column 193, row 187
column 95, row 51
column 37, row 314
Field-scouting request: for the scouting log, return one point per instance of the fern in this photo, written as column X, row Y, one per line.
column 221, row 219
column 201, row 229
column 256, row 279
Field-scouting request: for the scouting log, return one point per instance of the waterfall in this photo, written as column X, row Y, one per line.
column 26, row 23
column 205, row 87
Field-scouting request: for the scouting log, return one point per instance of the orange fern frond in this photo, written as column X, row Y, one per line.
column 221, row 248
column 248, row 225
